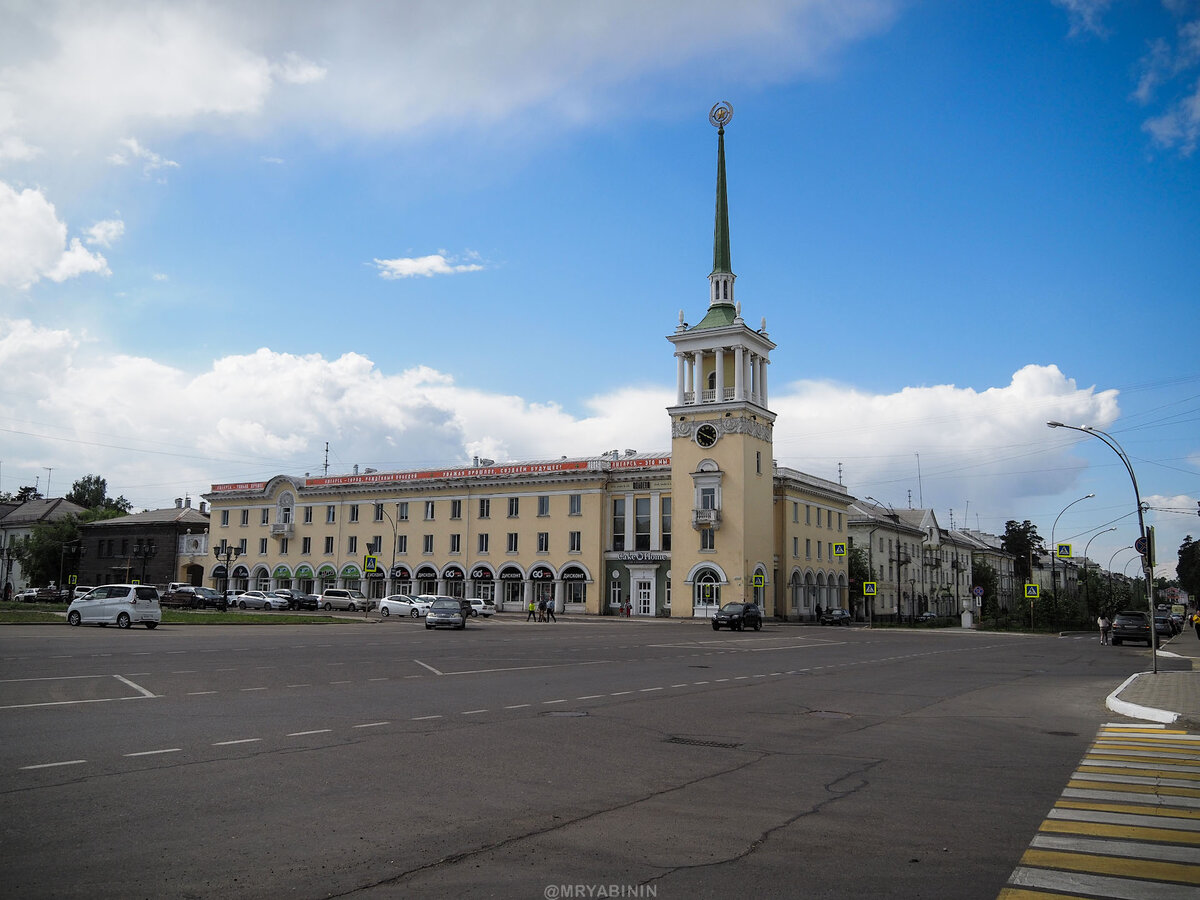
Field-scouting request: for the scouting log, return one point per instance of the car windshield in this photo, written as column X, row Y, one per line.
column 733, row 607
column 451, row 605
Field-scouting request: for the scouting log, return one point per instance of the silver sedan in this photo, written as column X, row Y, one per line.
column 403, row 605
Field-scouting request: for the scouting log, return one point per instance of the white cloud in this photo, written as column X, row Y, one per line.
column 132, row 149
column 1085, row 15
column 159, row 276
column 991, row 446
column 105, row 232
column 1179, row 126
column 14, row 149
column 295, row 69
column 33, row 242
column 424, row 266
column 108, row 70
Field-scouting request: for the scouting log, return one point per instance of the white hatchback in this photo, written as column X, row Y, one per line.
column 403, row 605
column 122, row 605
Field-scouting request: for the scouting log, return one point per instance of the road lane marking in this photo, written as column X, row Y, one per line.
column 427, row 666
column 67, row 762
column 423, row 718
column 314, row 731
column 548, row 702
column 199, row 693
column 155, row 752
column 239, row 741
column 518, row 706
column 472, row 712
column 372, row 725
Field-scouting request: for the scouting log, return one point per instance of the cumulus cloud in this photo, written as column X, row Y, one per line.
column 105, row 232
column 131, row 149
column 33, row 242
column 425, row 266
column 989, row 445
column 14, row 149
column 123, row 67
column 1085, row 15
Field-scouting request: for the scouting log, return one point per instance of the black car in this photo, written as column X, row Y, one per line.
column 835, row 617
column 738, row 617
column 1163, row 626
column 1131, row 625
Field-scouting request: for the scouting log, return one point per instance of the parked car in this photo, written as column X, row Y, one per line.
column 28, row 595
column 231, row 596
column 254, row 600
column 343, row 598
column 80, row 590
column 738, row 617
column 1131, row 625
column 928, row 616
column 445, row 612
column 463, row 604
column 836, row 617
column 301, row 600
column 1164, row 627
column 122, row 605
column 483, row 608
column 403, row 605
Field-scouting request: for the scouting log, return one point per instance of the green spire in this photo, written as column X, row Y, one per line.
column 721, row 262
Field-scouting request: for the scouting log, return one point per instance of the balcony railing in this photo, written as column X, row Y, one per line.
column 282, row 529
column 706, row 518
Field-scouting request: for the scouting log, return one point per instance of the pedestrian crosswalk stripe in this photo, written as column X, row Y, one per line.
column 1127, row 824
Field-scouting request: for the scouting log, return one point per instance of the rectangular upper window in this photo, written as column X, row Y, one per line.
column 429, row 510
column 485, row 508
column 514, row 507
column 543, row 505
column 330, row 514
column 456, row 509
column 402, row 511
column 576, row 505
column 308, row 515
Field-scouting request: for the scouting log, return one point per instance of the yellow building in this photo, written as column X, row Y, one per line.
column 678, row 533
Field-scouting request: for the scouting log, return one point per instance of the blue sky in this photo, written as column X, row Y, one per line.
column 422, row 232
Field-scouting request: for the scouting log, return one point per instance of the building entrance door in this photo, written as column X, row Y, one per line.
column 644, row 590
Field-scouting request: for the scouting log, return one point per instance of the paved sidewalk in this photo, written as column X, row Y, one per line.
column 1167, row 697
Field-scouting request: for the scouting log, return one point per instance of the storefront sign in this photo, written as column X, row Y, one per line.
column 640, row 463
column 482, row 573
column 401, row 573
column 511, row 575
column 304, row 571
column 541, row 573
column 574, row 575
column 643, row 556
column 239, row 486
column 453, row 573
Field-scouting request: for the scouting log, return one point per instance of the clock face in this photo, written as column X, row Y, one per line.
column 706, row 435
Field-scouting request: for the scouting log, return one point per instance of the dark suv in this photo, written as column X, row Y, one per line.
column 738, row 617
column 1131, row 625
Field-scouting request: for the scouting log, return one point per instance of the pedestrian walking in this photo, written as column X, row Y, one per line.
column 1196, row 623
column 532, row 611
column 550, row 617
column 1105, row 627
column 541, row 610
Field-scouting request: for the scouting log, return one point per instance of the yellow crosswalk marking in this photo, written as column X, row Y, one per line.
column 1108, row 865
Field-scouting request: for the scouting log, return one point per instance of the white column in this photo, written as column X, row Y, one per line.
column 655, row 507
column 680, row 378
column 763, row 400
column 751, row 387
column 720, row 374
column 739, row 373
column 698, row 379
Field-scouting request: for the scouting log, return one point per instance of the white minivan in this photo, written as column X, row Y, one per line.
column 343, row 598
column 122, row 605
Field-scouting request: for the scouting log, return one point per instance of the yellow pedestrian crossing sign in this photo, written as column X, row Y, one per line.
column 759, row 580
column 370, row 564
column 869, row 588
column 839, row 548
column 1064, row 551
column 1032, row 592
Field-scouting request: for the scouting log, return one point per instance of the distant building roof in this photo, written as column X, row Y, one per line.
column 41, row 510
column 171, row 515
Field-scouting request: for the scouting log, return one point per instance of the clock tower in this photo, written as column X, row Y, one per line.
column 721, row 450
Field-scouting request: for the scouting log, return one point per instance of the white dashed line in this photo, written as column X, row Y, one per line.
column 472, row 712
column 240, row 741
column 423, row 718
column 548, row 702
column 314, row 731
column 589, row 697
column 518, row 706
column 68, row 762
column 156, row 752
column 372, row 724
column 199, row 693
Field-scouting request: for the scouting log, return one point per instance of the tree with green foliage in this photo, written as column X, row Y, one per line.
column 91, row 492
column 1021, row 541
column 49, row 552
column 1188, row 567
column 858, row 567
column 984, row 576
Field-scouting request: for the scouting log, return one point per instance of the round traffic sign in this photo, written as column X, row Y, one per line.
column 1140, row 545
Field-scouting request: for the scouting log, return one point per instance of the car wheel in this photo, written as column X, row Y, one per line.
column 384, row 612
column 328, row 607
column 415, row 614
column 123, row 620
column 150, row 626
column 758, row 626
column 73, row 618
column 242, row 605
column 353, row 607
column 474, row 613
column 716, row 627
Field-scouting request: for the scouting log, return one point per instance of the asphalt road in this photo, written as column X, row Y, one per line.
column 657, row 759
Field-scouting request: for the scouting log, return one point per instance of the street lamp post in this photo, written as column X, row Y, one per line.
column 1054, row 551
column 1110, row 574
column 1117, row 449
column 1087, row 597
column 392, row 522
column 145, row 552
column 77, row 550
column 228, row 553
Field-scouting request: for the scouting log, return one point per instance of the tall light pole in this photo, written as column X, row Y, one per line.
column 1054, row 554
column 1087, row 599
column 228, row 553
column 1137, row 496
column 392, row 522
column 1110, row 574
